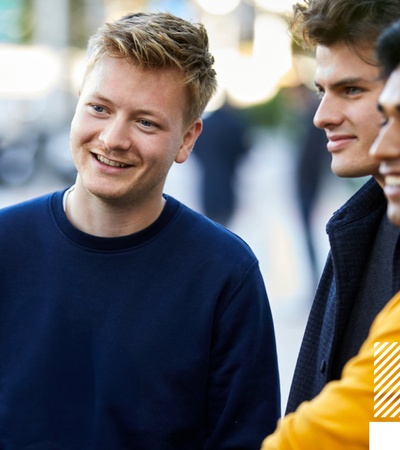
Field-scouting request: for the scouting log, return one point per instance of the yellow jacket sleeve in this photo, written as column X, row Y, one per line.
column 338, row 418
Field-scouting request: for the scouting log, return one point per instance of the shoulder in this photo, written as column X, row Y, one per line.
column 194, row 226
column 206, row 246
column 386, row 326
column 26, row 212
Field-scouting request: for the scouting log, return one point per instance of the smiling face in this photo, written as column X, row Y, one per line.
column 349, row 89
column 386, row 148
column 127, row 131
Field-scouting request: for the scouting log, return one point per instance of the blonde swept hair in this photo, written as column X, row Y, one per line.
column 161, row 41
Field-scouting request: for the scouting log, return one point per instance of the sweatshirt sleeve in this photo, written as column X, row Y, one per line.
column 243, row 394
column 339, row 416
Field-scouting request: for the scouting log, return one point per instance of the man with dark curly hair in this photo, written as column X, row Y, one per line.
column 362, row 270
column 368, row 392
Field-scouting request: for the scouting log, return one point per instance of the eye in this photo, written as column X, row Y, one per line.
column 146, row 123
column 384, row 121
column 353, row 90
column 319, row 92
column 98, row 108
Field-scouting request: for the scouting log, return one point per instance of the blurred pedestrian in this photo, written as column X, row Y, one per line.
column 220, row 149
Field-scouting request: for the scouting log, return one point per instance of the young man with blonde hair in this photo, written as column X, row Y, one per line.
column 127, row 320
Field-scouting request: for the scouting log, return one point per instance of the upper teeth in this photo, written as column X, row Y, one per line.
column 392, row 180
column 109, row 162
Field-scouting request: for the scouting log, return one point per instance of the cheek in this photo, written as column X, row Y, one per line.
column 371, row 127
column 166, row 149
column 76, row 124
column 81, row 130
column 79, row 137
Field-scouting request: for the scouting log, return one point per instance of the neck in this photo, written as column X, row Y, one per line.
column 97, row 217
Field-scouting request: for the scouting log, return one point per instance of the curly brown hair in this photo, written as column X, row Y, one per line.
column 160, row 41
column 356, row 23
column 388, row 49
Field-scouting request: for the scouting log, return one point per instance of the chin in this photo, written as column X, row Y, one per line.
column 339, row 169
column 345, row 173
column 350, row 170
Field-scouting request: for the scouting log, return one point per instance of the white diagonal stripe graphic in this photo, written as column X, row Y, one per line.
column 377, row 360
column 380, row 347
column 386, row 379
column 388, row 411
column 394, row 372
column 389, row 398
column 397, row 412
column 385, row 390
column 392, row 354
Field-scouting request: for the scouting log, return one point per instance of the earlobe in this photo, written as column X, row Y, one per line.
column 189, row 139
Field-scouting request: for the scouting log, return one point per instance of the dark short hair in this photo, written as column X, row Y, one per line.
column 388, row 49
column 356, row 23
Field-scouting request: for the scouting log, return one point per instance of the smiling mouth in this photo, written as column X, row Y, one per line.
column 109, row 162
column 392, row 180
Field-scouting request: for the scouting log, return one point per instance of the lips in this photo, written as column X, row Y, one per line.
column 338, row 142
column 392, row 187
column 110, row 162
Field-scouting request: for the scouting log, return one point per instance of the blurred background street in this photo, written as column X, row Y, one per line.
column 260, row 168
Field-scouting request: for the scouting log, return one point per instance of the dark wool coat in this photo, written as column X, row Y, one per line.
column 351, row 231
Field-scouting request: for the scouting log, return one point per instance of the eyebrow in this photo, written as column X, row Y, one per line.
column 348, row 81
column 99, row 97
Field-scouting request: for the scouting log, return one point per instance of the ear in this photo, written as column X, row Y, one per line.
column 189, row 139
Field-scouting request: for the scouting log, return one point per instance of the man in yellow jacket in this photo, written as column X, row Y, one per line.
column 339, row 417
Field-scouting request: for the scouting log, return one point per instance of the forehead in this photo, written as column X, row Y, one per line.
column 339, row 61
column 390, row 96
column 125, row 86
column 121, row 69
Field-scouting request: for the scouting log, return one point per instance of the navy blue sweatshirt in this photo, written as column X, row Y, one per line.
column 162, row 339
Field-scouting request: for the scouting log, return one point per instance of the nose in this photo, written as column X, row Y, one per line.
column 387, row 144
column 329, row 113
column 115, row 134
